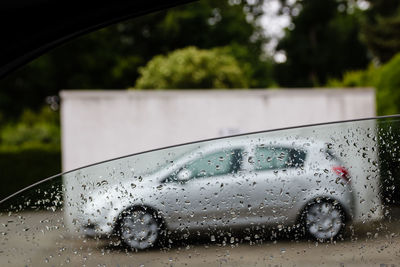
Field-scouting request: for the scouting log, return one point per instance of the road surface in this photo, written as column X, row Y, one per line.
column 40, row 239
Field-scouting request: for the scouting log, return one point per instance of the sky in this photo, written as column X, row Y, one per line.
column 274, row 25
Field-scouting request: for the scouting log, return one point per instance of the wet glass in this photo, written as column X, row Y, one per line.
column 326, row 195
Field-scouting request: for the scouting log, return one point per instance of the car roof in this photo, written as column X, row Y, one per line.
column 267, row 141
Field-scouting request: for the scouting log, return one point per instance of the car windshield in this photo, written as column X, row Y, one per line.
column 221, row 133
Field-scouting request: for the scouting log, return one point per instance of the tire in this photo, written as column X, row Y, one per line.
column 323, row 220
column 139, row 229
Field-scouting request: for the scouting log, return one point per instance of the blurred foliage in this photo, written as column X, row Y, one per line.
column 386, row 80
column 32, row 130
column 357, row 78
column 110, row 58
column 192, row 68
column 322, row 42
column 381, row 28
column 388, row 87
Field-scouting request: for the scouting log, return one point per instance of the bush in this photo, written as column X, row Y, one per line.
column 33, row 129
column 388, row 94
column 192, row 68
column 358, row 78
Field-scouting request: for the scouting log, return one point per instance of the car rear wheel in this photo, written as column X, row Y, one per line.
column 324, row 220
column 139, row 229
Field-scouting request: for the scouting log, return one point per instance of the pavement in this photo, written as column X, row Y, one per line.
column 40, row 239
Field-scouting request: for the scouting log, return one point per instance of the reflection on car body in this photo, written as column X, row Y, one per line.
column 229, row 184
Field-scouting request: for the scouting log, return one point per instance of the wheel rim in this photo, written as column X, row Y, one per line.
column 139, row 230
column 324, row 220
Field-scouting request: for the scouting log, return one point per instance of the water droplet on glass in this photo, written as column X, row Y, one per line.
column 251, row 160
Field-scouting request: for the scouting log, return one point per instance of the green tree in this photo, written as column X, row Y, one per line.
column 192, row 68
column 381, row 28
column 322, row 42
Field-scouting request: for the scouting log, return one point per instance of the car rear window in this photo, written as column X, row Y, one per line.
column 273, row 158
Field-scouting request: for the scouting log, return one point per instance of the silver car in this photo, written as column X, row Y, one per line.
column 226, row 185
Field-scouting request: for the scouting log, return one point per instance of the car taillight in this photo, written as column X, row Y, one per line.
column 342, row 172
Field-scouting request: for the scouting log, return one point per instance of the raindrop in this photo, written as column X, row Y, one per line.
column 102, row 183
column 251, row 160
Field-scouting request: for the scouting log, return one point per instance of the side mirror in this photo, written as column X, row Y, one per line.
column 183, row 175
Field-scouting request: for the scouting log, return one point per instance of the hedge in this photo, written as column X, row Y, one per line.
column 24, row 166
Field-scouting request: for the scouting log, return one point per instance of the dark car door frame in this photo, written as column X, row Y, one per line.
column 30, row 28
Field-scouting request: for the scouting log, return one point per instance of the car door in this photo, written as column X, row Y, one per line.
column 207, row 197
column 276, row 171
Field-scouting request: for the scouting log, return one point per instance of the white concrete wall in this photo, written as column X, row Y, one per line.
column 100, row 125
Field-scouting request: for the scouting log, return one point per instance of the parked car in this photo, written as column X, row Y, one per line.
column 228, row 184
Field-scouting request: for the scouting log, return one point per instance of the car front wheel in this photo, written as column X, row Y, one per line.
column 139, row 229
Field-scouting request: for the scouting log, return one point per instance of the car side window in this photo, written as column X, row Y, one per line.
column 213, row 164
column 275, row 158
